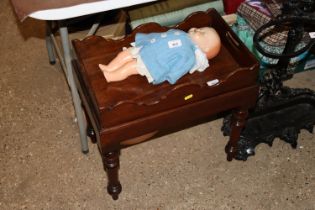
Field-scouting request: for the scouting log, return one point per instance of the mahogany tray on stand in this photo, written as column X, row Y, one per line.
column 132, row 111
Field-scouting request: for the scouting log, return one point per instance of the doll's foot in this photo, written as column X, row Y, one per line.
column 109, row 76
column 106, row 75
column 105, row 68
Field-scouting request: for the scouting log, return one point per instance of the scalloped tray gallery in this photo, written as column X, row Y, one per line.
column 116, row 103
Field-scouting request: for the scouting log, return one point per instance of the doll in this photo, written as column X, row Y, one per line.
column 165, row 56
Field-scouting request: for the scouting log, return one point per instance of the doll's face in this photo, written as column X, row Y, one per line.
column 207, row 40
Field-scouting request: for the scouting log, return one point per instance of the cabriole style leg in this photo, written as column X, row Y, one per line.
column 237, row 124
column 111, row 166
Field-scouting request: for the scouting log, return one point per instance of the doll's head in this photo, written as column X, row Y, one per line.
column 207, row 39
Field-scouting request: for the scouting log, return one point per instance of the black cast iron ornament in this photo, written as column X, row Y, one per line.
column 280, row 111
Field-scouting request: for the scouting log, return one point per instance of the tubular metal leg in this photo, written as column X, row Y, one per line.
column 95, row 26
column 49, row 44
column 75, row 96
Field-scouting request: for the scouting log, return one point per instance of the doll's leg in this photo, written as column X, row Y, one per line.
column 122, row 58
column 130, row 68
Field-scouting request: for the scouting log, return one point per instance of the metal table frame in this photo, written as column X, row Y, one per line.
column 62, row 15
column 65, row 61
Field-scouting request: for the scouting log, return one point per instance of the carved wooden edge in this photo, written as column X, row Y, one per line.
column 148, row 26
column 229, row 78
column 156, row 101
column 207, row 18
column 90, row 106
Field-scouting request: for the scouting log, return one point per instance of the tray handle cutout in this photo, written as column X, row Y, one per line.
column 232, row 40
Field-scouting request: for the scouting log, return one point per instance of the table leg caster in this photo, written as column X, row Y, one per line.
column 85, row 151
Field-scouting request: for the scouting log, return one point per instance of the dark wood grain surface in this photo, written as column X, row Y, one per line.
column 234, row 67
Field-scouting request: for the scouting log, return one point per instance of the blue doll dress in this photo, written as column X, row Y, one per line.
column 167, row 56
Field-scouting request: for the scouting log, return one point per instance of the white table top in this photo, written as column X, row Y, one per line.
column 84, row 9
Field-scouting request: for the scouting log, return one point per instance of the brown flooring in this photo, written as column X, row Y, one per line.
column 41, row 166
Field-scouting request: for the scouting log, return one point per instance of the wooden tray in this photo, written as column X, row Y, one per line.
column 234, row 68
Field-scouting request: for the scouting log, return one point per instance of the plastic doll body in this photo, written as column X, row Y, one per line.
column 124, row 64
column 122, row 58
column 123, row 70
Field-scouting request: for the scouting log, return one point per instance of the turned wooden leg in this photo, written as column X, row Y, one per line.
column 237, row 124
column 111, row 166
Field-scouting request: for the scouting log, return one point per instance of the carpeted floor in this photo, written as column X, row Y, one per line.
column 41, row 166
